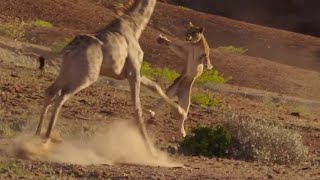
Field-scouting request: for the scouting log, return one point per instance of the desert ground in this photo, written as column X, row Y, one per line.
column 277, row 79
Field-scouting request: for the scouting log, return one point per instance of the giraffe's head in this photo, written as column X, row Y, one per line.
column 194, row 33
column 122, row 7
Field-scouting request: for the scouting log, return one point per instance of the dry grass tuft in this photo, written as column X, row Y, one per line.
column 259, row 140
column 19, row 60
column 6, row 131
column 14, row 30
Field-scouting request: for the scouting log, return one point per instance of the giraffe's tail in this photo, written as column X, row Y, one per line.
column 42, row 62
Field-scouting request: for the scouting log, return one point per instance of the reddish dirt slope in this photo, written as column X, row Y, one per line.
column 72, row 14
column 277, row 45
column 297, row 50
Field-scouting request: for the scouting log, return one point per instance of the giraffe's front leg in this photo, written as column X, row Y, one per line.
column 134, row 82
column 176, row 47
column 171, row 93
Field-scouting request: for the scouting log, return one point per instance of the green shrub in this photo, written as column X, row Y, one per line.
column 165, row 73
column 58, row 46
column 212, row 77
column 6, row 130
column 170, row 75
column 146, row 70
column 42, row 23
column 233, row 49
column 206, row 101
column 206, row 141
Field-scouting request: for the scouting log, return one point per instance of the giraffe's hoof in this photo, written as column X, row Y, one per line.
column 152, row 113
column 154, row 153
column 46, row 144
column 56, row 138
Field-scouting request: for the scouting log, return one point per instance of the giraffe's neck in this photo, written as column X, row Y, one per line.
column 133, row 21
column 139, row 15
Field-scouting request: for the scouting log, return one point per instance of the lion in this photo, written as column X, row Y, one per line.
column 195, row 51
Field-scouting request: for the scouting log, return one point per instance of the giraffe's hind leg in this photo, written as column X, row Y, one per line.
column 171, row 93
column 50, row 94
column 80, row 68
column 66, row 93
column 156, row 88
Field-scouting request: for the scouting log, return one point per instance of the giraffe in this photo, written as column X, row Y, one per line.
column 114, row 51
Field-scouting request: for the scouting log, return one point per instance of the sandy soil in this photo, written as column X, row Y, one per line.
column 262, row 87
column 90, row 113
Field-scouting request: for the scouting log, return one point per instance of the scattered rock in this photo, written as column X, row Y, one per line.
column 297, row 114
column 305, row 168
column 276, row 171
column 14, row 75
column 269, row 176
column 157, row 177
column 83, row 101
column 106, row 112
column 152, row 121
column 18, row 125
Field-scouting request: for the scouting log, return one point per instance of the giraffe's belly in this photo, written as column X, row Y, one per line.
column 115, row 53
column 110, row 72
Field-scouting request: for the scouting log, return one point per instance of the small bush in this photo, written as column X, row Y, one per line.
column 170, row 75
column 206, row 141
column 58, row 46
column 233, row 49
column 14, row 169
column 6, row 130
column 165, row 73
column 42, row 23
column 146, row 69
column 258, row 140
column 206, row 100
column 13, row 30
column 212, row 77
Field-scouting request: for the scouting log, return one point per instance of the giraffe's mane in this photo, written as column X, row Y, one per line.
column 124, row 8
column 128, row 5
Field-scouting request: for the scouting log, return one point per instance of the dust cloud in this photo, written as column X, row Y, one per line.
column 121, row 143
